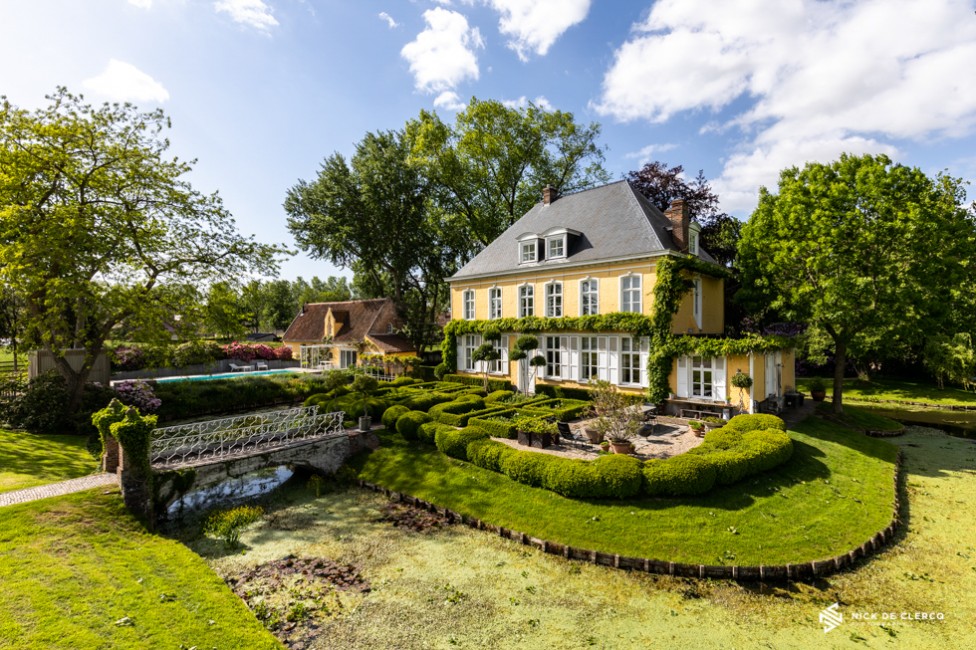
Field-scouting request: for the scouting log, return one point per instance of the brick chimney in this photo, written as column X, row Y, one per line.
column 548, row 194
column 677, row 214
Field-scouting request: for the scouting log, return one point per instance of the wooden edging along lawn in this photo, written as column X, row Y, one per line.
column 763, row 573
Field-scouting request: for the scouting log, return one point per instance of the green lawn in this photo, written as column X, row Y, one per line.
column 898, row 391
column 835, row 493
column 859, row 418
column 28, row 460
column 79, row 572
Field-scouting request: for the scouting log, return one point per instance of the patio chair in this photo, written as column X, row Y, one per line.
column 261, row 365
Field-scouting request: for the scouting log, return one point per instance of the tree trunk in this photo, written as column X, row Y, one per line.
column 75, row 381
column 840, row 361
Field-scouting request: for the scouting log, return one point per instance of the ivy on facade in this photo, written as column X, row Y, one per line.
column 670, row 287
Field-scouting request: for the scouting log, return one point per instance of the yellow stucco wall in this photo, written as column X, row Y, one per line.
column 607, row 276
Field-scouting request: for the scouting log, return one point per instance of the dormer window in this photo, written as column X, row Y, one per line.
column 528, row 251
column 556, row 247
column 693, row 231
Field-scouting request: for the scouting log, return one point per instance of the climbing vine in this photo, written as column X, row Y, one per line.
column 670, row 287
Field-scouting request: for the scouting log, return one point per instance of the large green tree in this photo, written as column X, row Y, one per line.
column 373, row 214
column 661, row 184
column 95, row 218
column 490, row 166
column 865, row 250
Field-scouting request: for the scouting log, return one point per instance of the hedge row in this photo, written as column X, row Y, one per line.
column 499, row 423
column 493, row 384
column 564, row 409
column 612, row 476
column 564, row 392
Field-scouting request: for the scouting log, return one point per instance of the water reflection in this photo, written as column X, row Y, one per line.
column 232, row 490
column 961, row 424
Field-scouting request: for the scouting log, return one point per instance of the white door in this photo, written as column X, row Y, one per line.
column 771, row 375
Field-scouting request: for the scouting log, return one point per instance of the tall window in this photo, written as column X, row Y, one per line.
column 347, row 358
column 589, row 298
column 630, row 365
column 468, row 299
column 556, row 247
column 701, row 377
column 697, row 309
column 526, row 300
column 589, row 358
column 500, row 365
column 554, row 357
column 469, row 343
column 630, row 293
column 528, row 251
column 693, row 239
column 554, row 299
column 495, row 302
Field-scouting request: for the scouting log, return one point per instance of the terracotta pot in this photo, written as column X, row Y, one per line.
column 622, row 447
column 593, row 436
column 818, row 395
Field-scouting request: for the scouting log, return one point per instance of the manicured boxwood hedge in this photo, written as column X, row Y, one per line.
column 392, row 414
column 408, row 424
column 422, row 401
column 496, row 395
column 563, row 392
column 726, row 456
column 564, row 409
column 504, row 429
column 493, row 384
column 454, row 442
column 427, row 432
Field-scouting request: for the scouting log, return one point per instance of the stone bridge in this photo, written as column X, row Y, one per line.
column 202, row 454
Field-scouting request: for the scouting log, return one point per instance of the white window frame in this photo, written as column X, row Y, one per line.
column 526, row 246
column 494, row 303
column 635, row 293
column 697, row 301
column 467, row 345
column 499, row 367
column 467, row 304
column 632, row 361
column 526, row 298
column 589, row 296
column 589, row 358
column 693, row 236
column 347, row 358
column 550, row 241
column 554, row 300
column 554, row 346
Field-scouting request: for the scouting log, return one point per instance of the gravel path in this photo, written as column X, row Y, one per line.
column 57, row 489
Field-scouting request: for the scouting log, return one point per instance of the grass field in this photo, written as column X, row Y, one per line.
column 836, row 492
column 28, row 460
column 896, row 391
column 859, row 419
column 79, row 572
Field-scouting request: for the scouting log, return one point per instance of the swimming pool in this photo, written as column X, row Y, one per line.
column 229, row 375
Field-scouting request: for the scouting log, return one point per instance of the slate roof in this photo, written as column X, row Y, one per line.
column 359, row 318
column 615, row 222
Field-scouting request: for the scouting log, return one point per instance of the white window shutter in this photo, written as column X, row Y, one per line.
column 540, row 371
column 718, row 379
column 613, row 360
column 574, row 358
column 645, row 347
column 682, row 389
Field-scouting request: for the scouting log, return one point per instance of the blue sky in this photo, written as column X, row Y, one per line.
column 260, row 91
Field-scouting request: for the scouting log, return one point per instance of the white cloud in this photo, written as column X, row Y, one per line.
column 534, row 25
column 252, row 13
column 645, row 153
column 815, row 78
column 442, row 56
column 142, row 4
column 123, row 82
column 449, row 101
column 522, row 102
column 389, row 20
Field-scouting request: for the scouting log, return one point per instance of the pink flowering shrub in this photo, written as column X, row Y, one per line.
column 126, row 357
column 283, row 353
column 139, row 394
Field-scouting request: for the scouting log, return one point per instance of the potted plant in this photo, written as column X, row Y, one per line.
column 618, row 418
column 365, row 385
column 712, row 422
column 697, row 427
column 605, row 445
column 535, row 432
column 743, row 382
column 818, row 390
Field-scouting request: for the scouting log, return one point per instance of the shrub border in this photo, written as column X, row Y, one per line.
column 803, row 571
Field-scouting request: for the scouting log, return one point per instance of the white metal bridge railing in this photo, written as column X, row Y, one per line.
column 198, row 441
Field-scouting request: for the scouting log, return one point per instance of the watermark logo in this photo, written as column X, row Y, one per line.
column 830, row 618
